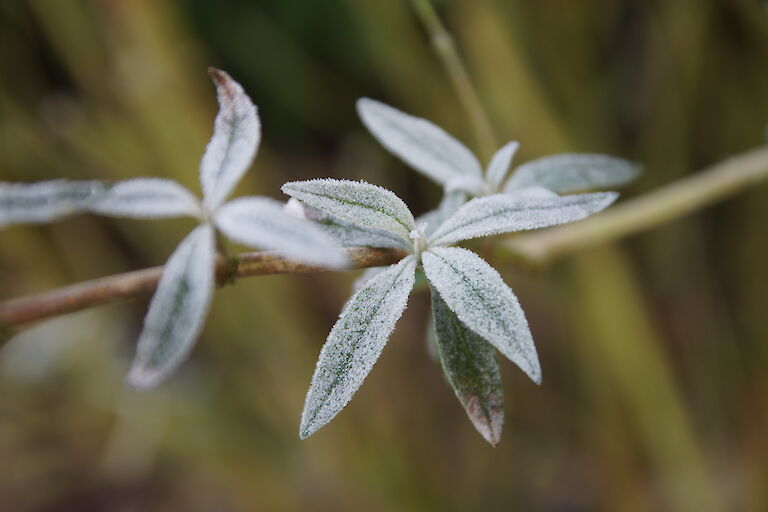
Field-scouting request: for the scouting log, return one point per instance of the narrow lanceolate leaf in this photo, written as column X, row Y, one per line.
column 146, row 198
column 236, row 136
column 469, row 364
column 507, row 213
column 45, row 201
column 483, row 302
column 262, row 223
column 356, row 202
column 499, row 166
column 177, row 310
column 355, row 342
column 419, row 143
column 570, row 173
column 350, row 235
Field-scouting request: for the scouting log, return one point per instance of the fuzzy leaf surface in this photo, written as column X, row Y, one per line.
column 484, row 303
column 355, row 343
column 569, row 173
column 499, row 166
column 507, row 213
column 177, row 311
column 469, row 363
column 45, row 201
column 236, row 136
column 262, row 223
column 356, row 202
column 146, row 198
column 421, row 144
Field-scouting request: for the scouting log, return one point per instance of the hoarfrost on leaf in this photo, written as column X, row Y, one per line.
column 356, row 202
column 45, row 201
column 236, row 136
column 570, row 172
column 421, row 144
column 506, row 213
column 470, row 366
column 499, row 166
column 355, row 343
column 483, row 302
column 177, row 310
column 146, row 198
column 262, row 223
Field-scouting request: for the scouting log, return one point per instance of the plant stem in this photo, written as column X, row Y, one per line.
column 444, row 46
column 667, row 203
column 17, row 312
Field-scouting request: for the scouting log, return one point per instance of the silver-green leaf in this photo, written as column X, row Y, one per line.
column 355, row 343
column 177, row 310
column 469, row 363
column 499, row 166
column 483, row 302
column 45, row 201
column 146, row 198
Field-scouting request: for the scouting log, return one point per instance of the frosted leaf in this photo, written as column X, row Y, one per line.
column 236, row 136
column 569, row 173
column 506, row 213
column 532, row 192
column 366, row 276
column 177, row 310
column 470, row 184
column 418, row 142
column 355, row 343
column 469, row 364
column 451, row 202
column 499, row 166
column 45, row 201
column 356, row 202
column 483, row 302
column 146, row 198
column 262, row 223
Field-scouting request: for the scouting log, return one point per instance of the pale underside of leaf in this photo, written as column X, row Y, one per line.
column 470, row 366
column 478, row 296
column 177, row 311
column 236, row 136
column 146, row 198
column 499, row 166
column 356, row 202
column 45, row 201
column 262, row 223
column 421, row 144
column 355, row 343
column 507, row 213
column 570, row 173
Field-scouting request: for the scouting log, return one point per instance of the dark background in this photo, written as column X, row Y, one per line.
column 654, row 350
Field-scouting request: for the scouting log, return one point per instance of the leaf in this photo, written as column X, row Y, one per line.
column 146, row 198
column 419, row 143
column 262, row 223
column 569, row 173
column 469, row 364
column 355, row 343
column 236, row 136
column 477, row 294
column 367, row 275
column 356, row 202
column 45, row 201
column 506, row 213
column 499, row 166
column 177, row 310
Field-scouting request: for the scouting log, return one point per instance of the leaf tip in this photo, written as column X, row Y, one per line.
column 488, row 420
column 141, row 378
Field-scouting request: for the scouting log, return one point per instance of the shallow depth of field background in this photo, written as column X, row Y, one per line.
column 654, row 350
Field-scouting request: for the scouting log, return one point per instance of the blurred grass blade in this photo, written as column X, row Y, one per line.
column 469, row 363
column 262, row 223
column 355, row 343
column 569, row 173
column 421, row 144
column 484, row 303
column 508, row 213
column 45, row 201
column 146, row 198
column 177, row 310
column 236, row 137
column 357, row 202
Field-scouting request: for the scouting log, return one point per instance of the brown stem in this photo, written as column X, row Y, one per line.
column 17, row 312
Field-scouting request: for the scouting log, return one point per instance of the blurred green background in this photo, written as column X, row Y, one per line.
column 654, row 350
